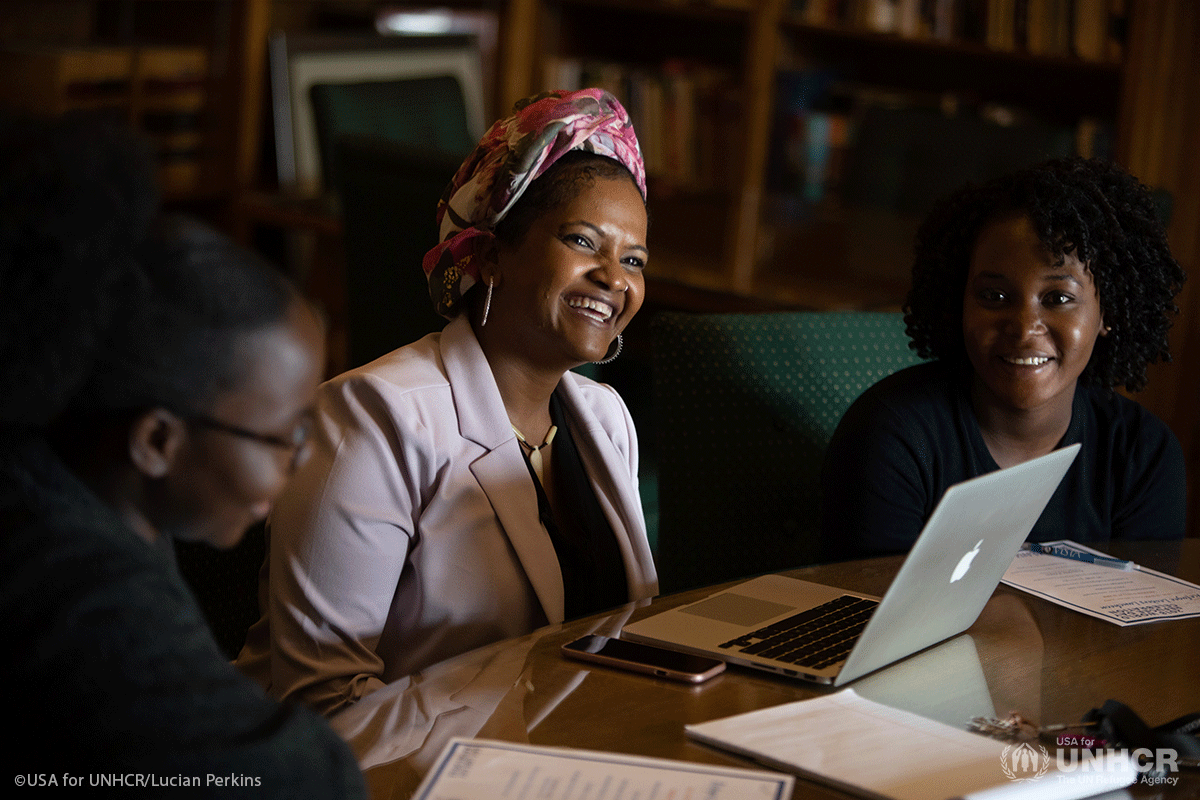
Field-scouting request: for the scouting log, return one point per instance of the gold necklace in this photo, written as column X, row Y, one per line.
column 535, row 453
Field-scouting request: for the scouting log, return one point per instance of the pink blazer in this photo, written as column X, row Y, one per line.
column 412, row 533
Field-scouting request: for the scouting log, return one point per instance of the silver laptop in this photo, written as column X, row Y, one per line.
column 828, row 635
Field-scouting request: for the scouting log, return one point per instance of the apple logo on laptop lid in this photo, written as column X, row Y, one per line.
column 964, row 563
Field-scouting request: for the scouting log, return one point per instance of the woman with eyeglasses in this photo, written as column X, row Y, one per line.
column 155, row 385
column 470, row 487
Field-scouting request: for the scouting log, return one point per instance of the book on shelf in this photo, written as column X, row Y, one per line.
column 881, row 16
column 53, row 80
column 906, row 158
column 686, row 114
column 1095, row 138
column 1086, row 29
column 810, row 136
column 170, row 101
column 1090, row 29
column 680, row 157
column 1001, row 24
column 839, row 145
column 917, row 19
column 1115, row 29
column 1048, row 27
column 159, row 90
column 178, row 74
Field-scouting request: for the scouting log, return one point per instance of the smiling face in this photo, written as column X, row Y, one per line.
column 1029, row 324
column 574, row 280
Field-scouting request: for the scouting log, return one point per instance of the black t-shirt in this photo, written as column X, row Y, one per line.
column 914, row 434
column 111, row 669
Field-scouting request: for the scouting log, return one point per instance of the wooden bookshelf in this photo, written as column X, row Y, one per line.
column 735, row 231
column 187, row 72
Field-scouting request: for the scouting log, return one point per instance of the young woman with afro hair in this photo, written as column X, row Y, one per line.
column 1033, row 296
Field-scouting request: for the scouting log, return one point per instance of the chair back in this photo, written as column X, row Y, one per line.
column 428, row 112
column 745, row 405
column 389, row 193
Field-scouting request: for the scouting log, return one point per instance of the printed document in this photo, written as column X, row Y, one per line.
column 480, row 769
column 1120, row 596
column 870, row 749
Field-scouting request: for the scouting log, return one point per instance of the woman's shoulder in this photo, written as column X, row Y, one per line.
column 599, row 398
column 414, row 366
column 77, row 562
column 1121, row 419
column 928, row 387
column 409, row 381
column 593, row 402
column 54, row 524
column 420, row 398
column 74, row 562
column 99, row 607
column 916, row 411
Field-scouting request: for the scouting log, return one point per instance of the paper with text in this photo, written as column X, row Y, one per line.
column 1121, row 597
column 480, row 769
column 870, row 749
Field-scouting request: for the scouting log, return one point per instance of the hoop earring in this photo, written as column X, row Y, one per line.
column 487, row 304
column 617, row 352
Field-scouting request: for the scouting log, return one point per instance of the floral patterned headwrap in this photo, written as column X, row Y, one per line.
column 514, row 153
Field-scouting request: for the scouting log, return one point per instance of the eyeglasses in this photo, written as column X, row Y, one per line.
column 294, row 442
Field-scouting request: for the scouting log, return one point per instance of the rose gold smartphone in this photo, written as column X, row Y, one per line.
column 645, row 658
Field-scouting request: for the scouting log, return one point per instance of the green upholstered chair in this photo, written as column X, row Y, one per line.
column 745, row 405
column 388, row 193
column 388, row 149
column 427, row 112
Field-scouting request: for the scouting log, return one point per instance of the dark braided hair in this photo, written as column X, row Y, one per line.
column 76, row 196
column 1090, row 207
column 176, row 346
column 111, row 308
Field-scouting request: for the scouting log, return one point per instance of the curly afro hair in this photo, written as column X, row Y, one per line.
column 1090, row 207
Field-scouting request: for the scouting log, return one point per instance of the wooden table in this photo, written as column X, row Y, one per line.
column 1023, row 654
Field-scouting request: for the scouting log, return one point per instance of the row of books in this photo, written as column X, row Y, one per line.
column 1088, row 29
column 860, row 146
column 830, row 142
column 688, row 116
column 160, row 90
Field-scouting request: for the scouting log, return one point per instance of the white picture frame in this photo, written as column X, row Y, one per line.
column 299, row 62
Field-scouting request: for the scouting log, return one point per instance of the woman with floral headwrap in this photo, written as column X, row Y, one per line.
column 467, row 487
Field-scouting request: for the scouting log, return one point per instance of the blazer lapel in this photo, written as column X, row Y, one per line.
column 501, row 470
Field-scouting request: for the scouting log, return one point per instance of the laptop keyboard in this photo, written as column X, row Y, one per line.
column 817, row 638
